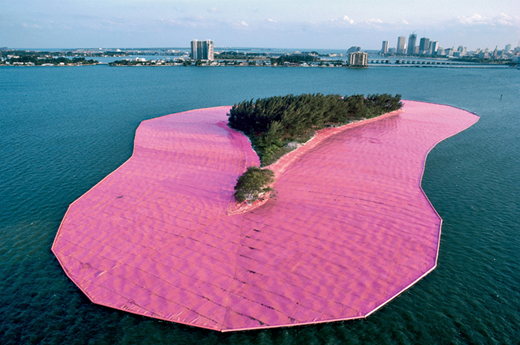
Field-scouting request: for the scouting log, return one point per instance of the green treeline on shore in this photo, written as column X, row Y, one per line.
column 295, row 58
column 231, row 55
column 38, row 61
column 275, row 125
column 38, row 58
column 254, row 185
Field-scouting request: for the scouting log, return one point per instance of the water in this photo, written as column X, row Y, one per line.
column 63, row 129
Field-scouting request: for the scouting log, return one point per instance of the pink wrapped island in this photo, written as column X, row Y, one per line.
column 350, row 229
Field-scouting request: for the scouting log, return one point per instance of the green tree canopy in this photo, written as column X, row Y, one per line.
column 254, row 184
column 271, row 123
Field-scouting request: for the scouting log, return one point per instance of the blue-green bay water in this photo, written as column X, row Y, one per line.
column 63, row 129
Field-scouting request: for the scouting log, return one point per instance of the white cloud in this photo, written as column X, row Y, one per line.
column 347, row 19
column 238, row 24
column 375, row 21
column 502, row 19
column 270, row 20
column 474, row 19
column 405, row 22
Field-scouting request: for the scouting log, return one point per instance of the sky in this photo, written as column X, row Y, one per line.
column 298, row 24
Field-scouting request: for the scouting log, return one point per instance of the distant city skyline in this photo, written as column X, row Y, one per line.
column 332, row 24
column 431, row 48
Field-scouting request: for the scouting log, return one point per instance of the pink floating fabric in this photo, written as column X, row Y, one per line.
column 350, row 229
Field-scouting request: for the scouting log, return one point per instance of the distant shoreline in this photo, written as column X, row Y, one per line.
column 481, row 66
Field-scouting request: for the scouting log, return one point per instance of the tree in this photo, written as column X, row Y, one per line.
column 272, row 123
column 254, row 185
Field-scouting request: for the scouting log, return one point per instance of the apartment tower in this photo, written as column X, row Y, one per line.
column 202, row 50
column 424, row 46
column 411, row 44
column 358, row 59
column 384, row 48
column 401, row 41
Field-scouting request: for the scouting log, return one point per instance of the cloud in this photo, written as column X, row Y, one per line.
column 212, row 10
column 32, row 26
column 474, row 19
column 238, row 24
column 502, row 20
column 374, row 21
column 347, row 19
column 405, row 22
column 270, row 20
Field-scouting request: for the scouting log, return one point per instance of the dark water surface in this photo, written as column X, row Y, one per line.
column 63, row 129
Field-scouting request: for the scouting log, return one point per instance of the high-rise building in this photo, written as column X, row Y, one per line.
column 411, row 44
column 211, row 54
column 434, row 45
column 384, row 48
column 401, row 40
column 462, row 50
column 353, row 49
column 508, row 48
column 424, row 46
column 194, row 44
column 358, row 59
column 202, row 50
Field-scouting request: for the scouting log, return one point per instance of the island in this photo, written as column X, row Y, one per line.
column 349, row 230
column 278, row 125
column 43, row 58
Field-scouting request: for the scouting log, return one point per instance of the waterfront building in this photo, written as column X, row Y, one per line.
column 358, row 59
column 194, row 45
column 353, row 49
column 424, row 45
column 508, row 48
column 411, row 44
column 495, row 52
column 384, row 48
column 401, row 40
column 462, row 50
column 483, row 55
column 202, row 50
column 434, row 46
